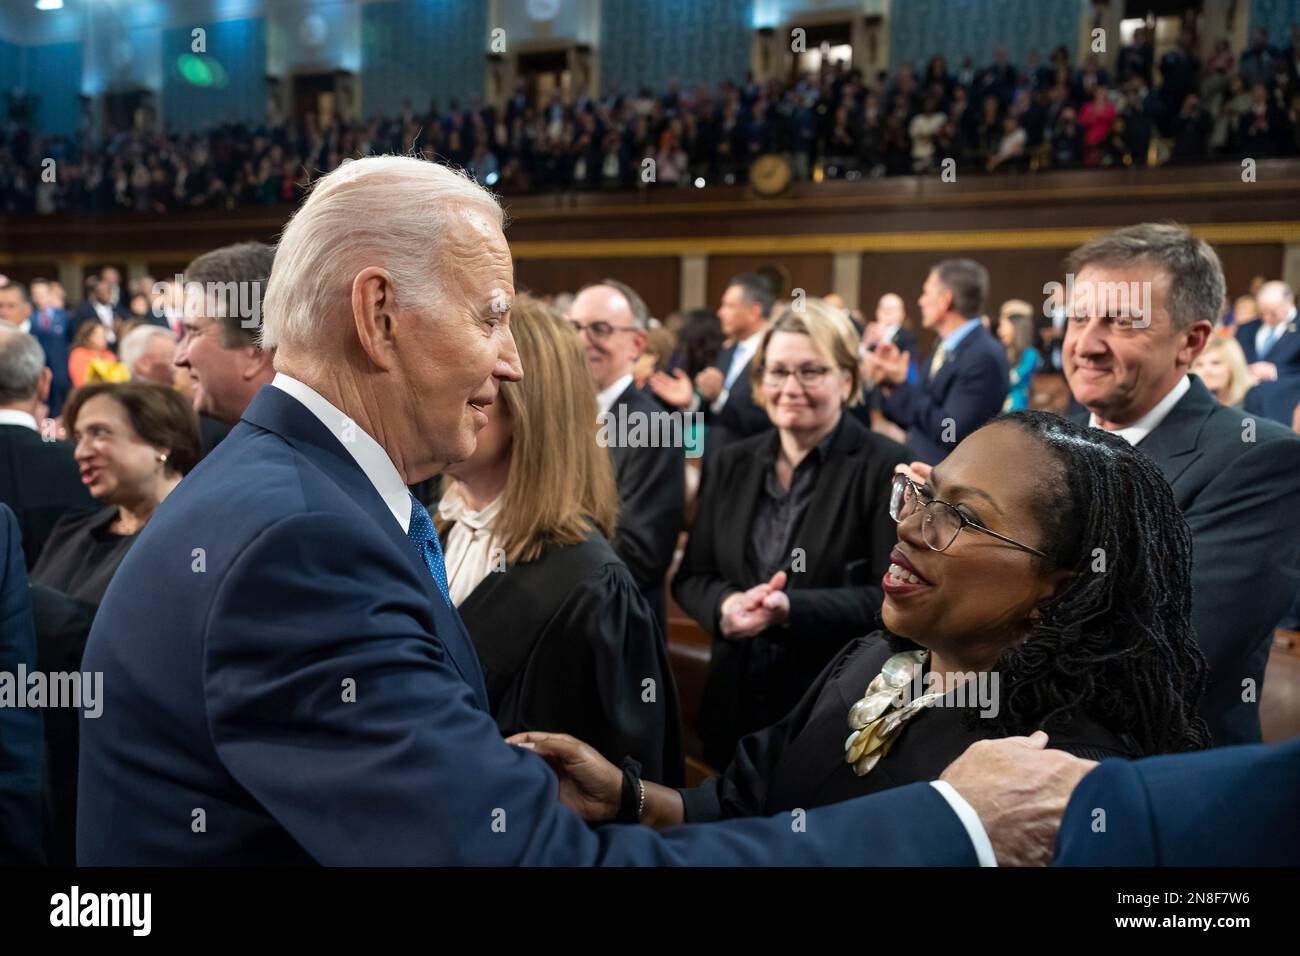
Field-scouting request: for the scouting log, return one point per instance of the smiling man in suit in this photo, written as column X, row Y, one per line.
column 965, row 381
column 612, row 320
column 1235, row 477
column 285, row 680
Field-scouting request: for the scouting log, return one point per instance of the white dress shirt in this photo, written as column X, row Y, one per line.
column 12, row 416
column 1145, row 425
column 745, row 351
column 365, row 451
column 1267, row 335
column 468, row 552
column 605, row 399
column 970, row 820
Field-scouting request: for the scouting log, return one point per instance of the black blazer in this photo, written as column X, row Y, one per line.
column 740, row 416
column 846, row 536
column 799, row 760
column 40, row 481
column 1239, row 498
column 652, row 501
column 82, row 555
column 86, row 312
column 969, row 389
column 567, row 643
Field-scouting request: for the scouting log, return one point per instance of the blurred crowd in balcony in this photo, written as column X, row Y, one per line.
column 838, row 124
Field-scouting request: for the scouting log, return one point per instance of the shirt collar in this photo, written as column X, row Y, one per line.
column 365, row 451
column 13, row 416
column 817, row 455
column 605, row 398
column 1148, row 423
column 955, row 337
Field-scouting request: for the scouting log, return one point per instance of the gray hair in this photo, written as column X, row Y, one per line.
column 21, row 361
column 968, row 281
column 1196, row 285
column 389, row 211
column 136, row 344
column 1276, row 289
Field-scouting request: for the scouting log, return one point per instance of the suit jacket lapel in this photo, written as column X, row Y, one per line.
column 278, row 412
column 1173, row 443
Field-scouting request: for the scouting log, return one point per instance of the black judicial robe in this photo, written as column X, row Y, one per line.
column 567, row 643
column 799, row 761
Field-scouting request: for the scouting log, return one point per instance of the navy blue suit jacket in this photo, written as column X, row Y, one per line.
column 968, row 390
column 50, row 326
column 1276, row 400
column 229, row 735
column 1284, row 353
column 1231, row 806
column 22, row 743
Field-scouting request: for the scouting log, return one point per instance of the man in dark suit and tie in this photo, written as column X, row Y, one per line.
column 612, row 321
column 964, row 383
column 1235, row 478
column 39, row 479
column 1272, row 347
column 285, row 680
column 724, row 391
column 50, row 326
column 98, row 306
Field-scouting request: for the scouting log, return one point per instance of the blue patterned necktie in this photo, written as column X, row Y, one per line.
column 425, row 538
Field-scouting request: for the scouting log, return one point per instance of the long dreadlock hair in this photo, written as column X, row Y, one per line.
column 1117, row 643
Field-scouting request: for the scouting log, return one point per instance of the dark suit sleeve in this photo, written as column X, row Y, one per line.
column 22, row 745
column 1248, row 509
column 698, row 586
column 652, row 502
column 1108, row 820
column 1171, row 810
column 832, row 616
column 741, row 790
column 410, row 772
column 977, row 395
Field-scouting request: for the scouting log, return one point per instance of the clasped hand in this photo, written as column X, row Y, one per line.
column 745, row 614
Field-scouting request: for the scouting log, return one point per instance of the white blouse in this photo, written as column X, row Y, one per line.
column 470, row 549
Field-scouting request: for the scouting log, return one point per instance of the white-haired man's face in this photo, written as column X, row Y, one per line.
column 467, row 346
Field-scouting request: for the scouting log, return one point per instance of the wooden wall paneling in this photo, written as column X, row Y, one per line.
column 808, row 271
column 657, row 279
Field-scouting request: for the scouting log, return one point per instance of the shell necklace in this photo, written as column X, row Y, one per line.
column 877, row 718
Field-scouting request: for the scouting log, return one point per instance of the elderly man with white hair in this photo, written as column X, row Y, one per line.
column 1272, row 346
column 147, row 352
column 285, row 680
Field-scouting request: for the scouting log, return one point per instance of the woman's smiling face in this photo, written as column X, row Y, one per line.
column 975, row 597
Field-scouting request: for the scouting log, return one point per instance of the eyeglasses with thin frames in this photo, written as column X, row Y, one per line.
column 941, row 522
column 808, row 376
column 601, row 330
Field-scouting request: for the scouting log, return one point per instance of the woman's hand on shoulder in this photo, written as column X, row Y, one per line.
column 590, row 785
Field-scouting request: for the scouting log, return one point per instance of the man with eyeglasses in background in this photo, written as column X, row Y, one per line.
column 612, row 321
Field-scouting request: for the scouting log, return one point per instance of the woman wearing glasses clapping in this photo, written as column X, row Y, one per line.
column 792, row 532
column 1043, row 561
